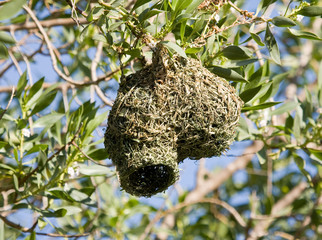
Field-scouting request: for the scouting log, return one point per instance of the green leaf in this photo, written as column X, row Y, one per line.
column 37, row 148
column 9, row 9
column 193, row 50
column 277, row 79
column 280, row 21
column 98, row 154
column 255, row 36
column 6, row 38
column 300, row 162
column 70, row 210
column 44, row 101
column 3, row 144
column 3, row 51
column 304, row 34
column 311, row 11
column 248, row 94
column 139, row 3
column 22, row 83
column 148, row 13
column 239, row 63
column 227, row 74
column 100, row 38
column 48, row 120
column 261, row 155
column 257, row 39
column 271, row 45
column 179, row 5
column 316, row 155
column 287, row 107
column 95, row 122
column 94, row 170
column 260, row 106
column 20, row 206
column 60, row 193
column 56, row 214
column 236, row 53
column 193, row 6
column 5, row 166
column 15, row 182
column 79, row 196
column 41, row 223
column 175, row 48
column 264, row 4
column 298, row 123
column 34, row 93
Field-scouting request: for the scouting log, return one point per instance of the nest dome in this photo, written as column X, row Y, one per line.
column 168, row 111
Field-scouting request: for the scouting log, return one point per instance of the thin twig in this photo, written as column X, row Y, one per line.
column 218, row 202
column 52, row 51
column 10, row 100
column 45, row 24
column 89, row 158
column 51, row 157
column 31, row 229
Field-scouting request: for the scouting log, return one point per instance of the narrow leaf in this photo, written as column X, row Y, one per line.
column 287, row 107
column 271, row 45
column 6, row 38
column 22, row 83
column 304, row 34
column 280, row 21
column 193, row 6
column 260, row 106
column 248, row 94
column 93, row 170
column 175, row 48
column 139, row 3
column 257, row 39
column 10, row 8
column 235, row 53
column 311, row 11
column 48, row 120
column 227, row 74
column 3, row 51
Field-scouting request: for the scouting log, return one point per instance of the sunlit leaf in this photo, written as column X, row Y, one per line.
column 10, row 8
column 271, row 45
column 139, row 3
column 175, row 48
column 94, row 170
column 260, row 106
column 48, row 120
column 228, row 74
column 304, row 34
column 6, row 38
column 286, row 107
column 311, row 11
column 280, row 21
column 22, row 83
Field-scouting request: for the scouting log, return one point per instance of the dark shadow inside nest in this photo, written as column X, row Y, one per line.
column 149, row 179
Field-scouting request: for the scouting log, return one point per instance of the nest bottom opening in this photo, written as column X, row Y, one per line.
column 151, row 179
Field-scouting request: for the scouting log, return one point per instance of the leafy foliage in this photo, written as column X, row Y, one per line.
column 65, row 60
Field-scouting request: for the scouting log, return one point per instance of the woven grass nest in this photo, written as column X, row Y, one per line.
column 168, row 111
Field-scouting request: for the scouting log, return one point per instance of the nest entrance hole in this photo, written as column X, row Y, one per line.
column 151, row 179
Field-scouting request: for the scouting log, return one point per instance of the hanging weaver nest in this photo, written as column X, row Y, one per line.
column 168, row 111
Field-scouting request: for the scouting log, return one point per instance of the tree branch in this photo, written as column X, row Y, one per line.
column 177, row 207
column 260, row 227
column 46, row 24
